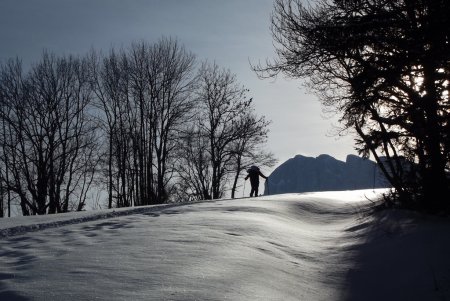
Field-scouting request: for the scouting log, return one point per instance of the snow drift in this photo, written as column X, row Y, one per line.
column 312, row 246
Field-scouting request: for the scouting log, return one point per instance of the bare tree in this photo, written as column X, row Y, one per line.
column 142, row 124
column 145, row 97
column 48, row 136
column 249, row 148
column 171, row 82
column 111, row 86
column 193, row 167
column 225, row 133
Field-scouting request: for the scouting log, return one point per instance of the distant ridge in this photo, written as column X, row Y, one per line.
column 325, row 173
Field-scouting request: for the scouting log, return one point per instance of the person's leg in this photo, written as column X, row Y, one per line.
column 254, row 191
column 255, row 186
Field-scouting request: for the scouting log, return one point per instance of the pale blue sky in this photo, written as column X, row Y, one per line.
column 231, row 32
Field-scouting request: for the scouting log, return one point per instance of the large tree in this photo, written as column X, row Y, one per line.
column 110, row 81
column 385, row 67
column 171, row 81
column 224, row 137
column 222, row 102
column 144, row 95
column 48, row 139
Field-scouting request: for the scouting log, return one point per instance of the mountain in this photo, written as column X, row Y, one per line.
column 325, row 173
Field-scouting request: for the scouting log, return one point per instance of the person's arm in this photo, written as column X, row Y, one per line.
column 247, row 177
column 260, row 173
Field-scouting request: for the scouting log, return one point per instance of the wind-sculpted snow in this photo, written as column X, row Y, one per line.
column 19, row 225
column 316, row 246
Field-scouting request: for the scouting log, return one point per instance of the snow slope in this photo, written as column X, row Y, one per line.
column 311, row 246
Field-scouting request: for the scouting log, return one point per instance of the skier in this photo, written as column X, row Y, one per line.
column 253, row 174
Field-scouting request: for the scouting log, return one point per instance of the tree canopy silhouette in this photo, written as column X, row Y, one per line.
column 384, row 66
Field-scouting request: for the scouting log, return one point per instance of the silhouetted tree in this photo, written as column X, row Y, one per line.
column 222, row 102
column 225, row 133
column 145, row 97
column 193, row 168
column 141, row 115
column 48, row 138
column 110, row 80
column 384, row 66
column 171, row 82
column 249, row 148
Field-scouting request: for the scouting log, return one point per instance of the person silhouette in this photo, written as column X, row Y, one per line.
column 254, row 173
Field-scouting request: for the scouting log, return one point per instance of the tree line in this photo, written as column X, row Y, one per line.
column 146, row 125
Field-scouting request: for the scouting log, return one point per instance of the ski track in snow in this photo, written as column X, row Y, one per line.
column 311, row 246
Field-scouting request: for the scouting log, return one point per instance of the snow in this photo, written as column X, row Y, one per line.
column 309, row 246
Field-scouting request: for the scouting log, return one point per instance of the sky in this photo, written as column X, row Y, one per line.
column 312, row 246
column 233, row 33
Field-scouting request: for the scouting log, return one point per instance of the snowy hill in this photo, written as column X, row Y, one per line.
column 325, row 173
column 311, row 246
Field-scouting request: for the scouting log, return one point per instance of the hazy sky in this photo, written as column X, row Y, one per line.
column 230, row 32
